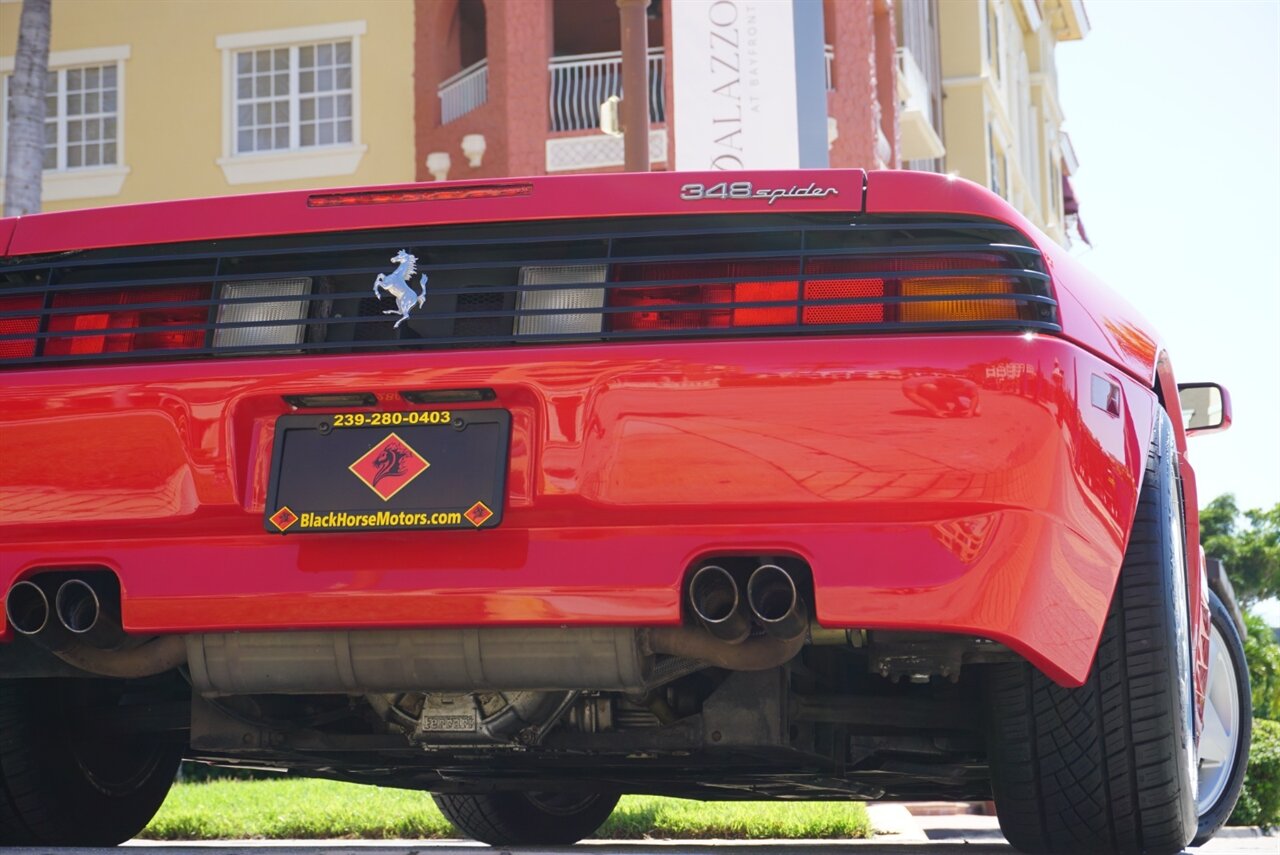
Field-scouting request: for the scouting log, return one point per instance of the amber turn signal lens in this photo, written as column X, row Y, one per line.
column 939, row 308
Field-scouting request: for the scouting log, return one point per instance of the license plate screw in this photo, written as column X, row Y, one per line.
column 458, row 423
column 325, row 428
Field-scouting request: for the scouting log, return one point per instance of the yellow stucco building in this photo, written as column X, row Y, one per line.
column 164, row 99
column 1001, row 117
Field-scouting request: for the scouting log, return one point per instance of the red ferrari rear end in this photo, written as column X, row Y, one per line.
column 541, row 488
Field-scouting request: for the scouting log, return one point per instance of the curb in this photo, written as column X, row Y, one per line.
column 1241, row 831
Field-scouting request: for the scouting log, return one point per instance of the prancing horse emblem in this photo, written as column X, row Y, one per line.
column 397, row 285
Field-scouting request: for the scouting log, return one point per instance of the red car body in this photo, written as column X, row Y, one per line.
column 629, row 462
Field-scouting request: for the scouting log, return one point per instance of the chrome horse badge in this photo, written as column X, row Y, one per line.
column 397, row 285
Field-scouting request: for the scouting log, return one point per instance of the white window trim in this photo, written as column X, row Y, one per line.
column 90, row 182
column 318, row 162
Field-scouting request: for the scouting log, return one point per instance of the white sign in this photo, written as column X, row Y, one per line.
column 734, row 73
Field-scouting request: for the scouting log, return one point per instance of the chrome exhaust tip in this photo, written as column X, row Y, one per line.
column 714, row 596
column 77, row 606
column 775, row 602
column 89, row 610
column 27, row 608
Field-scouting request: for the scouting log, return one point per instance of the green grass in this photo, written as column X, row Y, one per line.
column 307, row 809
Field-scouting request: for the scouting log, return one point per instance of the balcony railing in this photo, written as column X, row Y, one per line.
column 580, row 83
column 463, row 92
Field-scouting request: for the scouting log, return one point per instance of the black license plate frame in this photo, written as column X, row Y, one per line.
column 331, row 472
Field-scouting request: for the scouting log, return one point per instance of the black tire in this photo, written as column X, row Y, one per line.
column 527, row 819
column 1108, row 767
column 59, row 788
column 1214, row 815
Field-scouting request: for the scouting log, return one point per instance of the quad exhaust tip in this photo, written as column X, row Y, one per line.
column 80, row 610
column 714, row 595
column 775, row 601
column 27, row 608
column 772, row 600
column 77, row 606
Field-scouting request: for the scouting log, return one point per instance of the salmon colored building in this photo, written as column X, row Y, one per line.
column 514, row 88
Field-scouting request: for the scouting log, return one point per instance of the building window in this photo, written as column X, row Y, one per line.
column 293, row 97
column 998, row 165
column 993, row 38
column 83, row 124
column 291, row 103
column 80, row 116
column 1055, row 192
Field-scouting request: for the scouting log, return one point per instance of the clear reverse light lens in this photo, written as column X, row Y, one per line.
column 565, row 323
column 278, row 318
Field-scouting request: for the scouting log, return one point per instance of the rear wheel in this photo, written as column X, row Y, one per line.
column 1228, row 722
column 1109, row 766
column 61, row 786
column 527, row 819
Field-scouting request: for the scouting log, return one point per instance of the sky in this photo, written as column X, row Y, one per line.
column 1174, row 112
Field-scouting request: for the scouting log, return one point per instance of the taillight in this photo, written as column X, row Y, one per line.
column 19, row 325
column 668, row 304
column 248, row 317
column 910, row 296
column 121, row 322
column 841, row 291
column 553, row 304
column 946, row 303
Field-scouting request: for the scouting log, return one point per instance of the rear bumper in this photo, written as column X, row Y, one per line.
column 960, row 483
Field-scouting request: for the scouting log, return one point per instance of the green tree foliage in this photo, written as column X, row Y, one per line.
column 1251, row 552
column 1263, row 653
column 1260, row 801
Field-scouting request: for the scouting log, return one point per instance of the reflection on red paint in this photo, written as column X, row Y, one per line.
column 1132, row 340
column 626, row 463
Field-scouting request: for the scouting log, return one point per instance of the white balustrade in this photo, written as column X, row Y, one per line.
column 580, row 83
column 464, row 91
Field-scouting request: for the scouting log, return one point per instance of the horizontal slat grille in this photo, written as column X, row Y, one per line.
column 721, row 276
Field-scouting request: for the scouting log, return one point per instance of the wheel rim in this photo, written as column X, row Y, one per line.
column 1220, row 737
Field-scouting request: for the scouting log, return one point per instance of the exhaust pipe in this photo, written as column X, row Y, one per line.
column 775, row 602
column 89, row 610
column 27, row 608
column 713, row 593
column 757, row 654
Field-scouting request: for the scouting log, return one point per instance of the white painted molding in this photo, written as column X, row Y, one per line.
column 81, row 183
column 83, row 56
column 292, row 35
column 286, row 165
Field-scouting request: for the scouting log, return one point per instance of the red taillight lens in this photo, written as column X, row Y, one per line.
column 652, row 303
column 114, row 318
column 19, row 348
column 843, row 289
